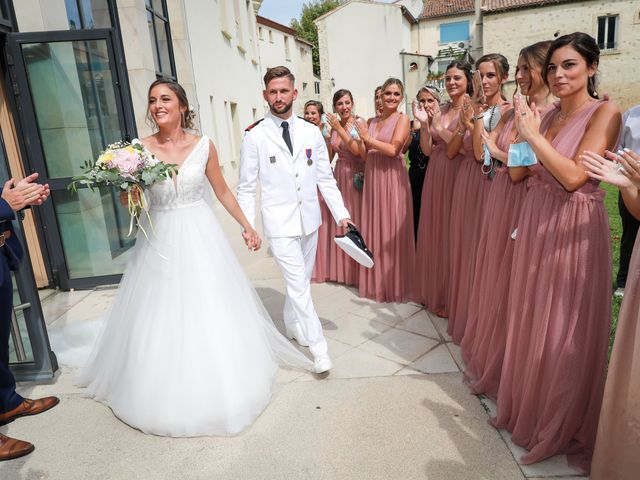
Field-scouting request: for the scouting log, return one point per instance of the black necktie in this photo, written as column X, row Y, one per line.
column 286, row 136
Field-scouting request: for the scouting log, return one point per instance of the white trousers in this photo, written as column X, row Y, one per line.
column 296, row 256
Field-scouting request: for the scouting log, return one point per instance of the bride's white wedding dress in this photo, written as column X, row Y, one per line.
column 187, row 348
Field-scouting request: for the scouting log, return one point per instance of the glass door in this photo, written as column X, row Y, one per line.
column 30, row 355
column 70, row 103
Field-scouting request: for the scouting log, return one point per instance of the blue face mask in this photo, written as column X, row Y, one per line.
column 487, row 156
column 521, row 155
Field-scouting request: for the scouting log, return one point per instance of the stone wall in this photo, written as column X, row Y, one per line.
column 508, row 32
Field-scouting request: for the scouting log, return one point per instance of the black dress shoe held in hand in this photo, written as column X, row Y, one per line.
column 353, row 245
column 11, row 448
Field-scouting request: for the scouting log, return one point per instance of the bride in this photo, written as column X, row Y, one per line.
column 187, row 348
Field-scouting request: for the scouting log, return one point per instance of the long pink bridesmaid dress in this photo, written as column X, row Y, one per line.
column 559, row 312
column 322, row 266
column 617, row 451
column 467, row 211
column 432, row 252
column 485, row 334
column 342, row 268
column 387, row 222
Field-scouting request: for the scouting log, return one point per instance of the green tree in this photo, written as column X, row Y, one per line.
column 306, row 29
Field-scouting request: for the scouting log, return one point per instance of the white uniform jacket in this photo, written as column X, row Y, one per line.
column 288, row 183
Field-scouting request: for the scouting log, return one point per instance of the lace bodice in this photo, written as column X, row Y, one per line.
column 188, row 186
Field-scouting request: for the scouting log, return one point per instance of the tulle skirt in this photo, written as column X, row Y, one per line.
column 187, row 348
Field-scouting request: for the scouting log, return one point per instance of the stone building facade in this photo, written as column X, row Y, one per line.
column 509, row 26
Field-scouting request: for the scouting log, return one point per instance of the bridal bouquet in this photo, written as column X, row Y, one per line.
column 130, row 167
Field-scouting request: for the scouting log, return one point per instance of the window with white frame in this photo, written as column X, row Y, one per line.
column 260, row 33
column 608, row 32
column 287, row 50
column 316, row 86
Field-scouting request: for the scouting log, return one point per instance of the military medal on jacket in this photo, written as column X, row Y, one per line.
column 308, row 151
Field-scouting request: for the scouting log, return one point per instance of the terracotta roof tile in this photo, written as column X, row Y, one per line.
column 443, row 8
column 502, row 5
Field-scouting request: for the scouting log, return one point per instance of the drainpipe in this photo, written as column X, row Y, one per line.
column 477, row 36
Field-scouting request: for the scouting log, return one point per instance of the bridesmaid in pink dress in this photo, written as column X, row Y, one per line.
column 471, row 186
column 559, row 306
column 350, row 150
column 313, row 111
column 485, row 335
column 387, row 214
column 432, row 262
column 618, row 441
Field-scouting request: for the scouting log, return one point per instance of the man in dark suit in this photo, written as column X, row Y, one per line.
column 14, row 196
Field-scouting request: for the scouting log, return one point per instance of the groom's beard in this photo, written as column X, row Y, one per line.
column 280, row 109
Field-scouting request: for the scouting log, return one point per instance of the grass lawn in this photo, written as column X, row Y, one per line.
column 611, row 202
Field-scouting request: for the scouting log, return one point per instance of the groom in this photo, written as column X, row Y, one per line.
column 288, row 156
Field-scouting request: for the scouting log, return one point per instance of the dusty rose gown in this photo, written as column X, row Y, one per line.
column 485, row 333
column 432, row 257
column 467, row 211
column 617, row 451
column 387, row 222
column 332, row 264
column 322, row 266
column 558, row 313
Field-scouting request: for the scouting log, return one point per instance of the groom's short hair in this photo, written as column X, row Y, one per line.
column 278, row 72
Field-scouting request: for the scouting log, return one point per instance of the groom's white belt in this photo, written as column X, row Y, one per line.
column 179, row 206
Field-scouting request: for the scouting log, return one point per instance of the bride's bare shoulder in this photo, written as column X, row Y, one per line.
column 148, row 142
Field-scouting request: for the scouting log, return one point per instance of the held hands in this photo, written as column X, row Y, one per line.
column 252, row 239
column 621, row 169
column 25, row 192
column 527, row 118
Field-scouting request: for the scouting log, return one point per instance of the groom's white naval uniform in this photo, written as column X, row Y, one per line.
column 290, row 209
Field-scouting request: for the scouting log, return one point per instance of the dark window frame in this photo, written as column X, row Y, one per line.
column 164, row 18
column 7, row 24
column 606, row 27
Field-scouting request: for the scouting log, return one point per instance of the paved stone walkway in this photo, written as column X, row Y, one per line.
column 393, row 407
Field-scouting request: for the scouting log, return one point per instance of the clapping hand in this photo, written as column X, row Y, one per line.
column 252, row 239
column 436, row 116
column 527, row 118
column 24, row 192
column 621, row 170
column 466, row 115
column 333, row 121
column 362, row 129
column 491, row 145
column 420, row 113
column 478, row 99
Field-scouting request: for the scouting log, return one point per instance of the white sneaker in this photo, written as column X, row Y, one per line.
column 322, row 363
column 294, row 332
